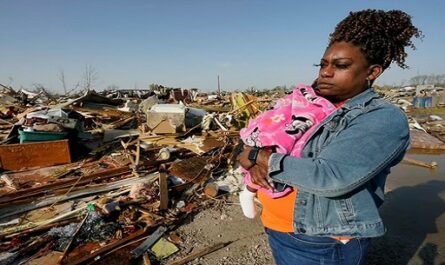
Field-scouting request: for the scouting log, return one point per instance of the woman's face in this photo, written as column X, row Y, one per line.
column 343, row 72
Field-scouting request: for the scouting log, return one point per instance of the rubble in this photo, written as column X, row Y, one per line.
column 88, row 177
column 423, row 105
column 110, row 177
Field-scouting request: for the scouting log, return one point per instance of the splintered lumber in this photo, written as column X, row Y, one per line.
column 146, row 259
column 419, row 163
column 242, row 107
column 243, row 103
column 107, row 248
column 42, row 224
column 18, row 209
column 68, row 246
column 199, row 253
column 65, row 183
column 10, row 182
column 39, row 154
column 36, row 244
column 29, row 225
column 424, row 140
column 190, row 170
column 163, row 189
column 32, row 231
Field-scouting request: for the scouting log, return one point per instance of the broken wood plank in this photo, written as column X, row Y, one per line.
column 109, row 247
column 163, row 190
column 42, row 175
column 190, row 170
column 10, row 182
column 68, row 246
column 19, row 209
column 39, row 154
column 419, row 163
column 31, row 231
column 138, row 153
column 424, row 140
column 29, row 225
column 146, row 259
column 199, row 253
column 18, row 256
column 242, row 106
column 65, row 183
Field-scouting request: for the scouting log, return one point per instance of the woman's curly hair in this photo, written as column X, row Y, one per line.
column 381, row 35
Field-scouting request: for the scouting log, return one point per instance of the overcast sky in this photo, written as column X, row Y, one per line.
column 188, row 43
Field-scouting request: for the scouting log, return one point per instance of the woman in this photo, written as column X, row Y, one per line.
column 340, row 177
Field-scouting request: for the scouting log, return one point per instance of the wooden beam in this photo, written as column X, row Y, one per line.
column 163, row 189
column 19, row 209
column 65, row 183
column 146, row 259
column 419, row 163
column 84, row 259
column 70, row 242
column 31, row 231
column 199, row 253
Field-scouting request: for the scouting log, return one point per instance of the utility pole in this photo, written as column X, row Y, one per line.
column 219, row 88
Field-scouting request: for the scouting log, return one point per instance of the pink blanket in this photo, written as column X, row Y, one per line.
column 286, row 127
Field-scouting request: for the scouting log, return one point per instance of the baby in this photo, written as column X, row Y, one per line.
column 285, row 128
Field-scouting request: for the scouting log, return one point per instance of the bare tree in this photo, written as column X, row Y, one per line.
column 418, row 80
column 153, row 86
column 441, row 79
column 73, row 89
column 38, row 87
column 11, row 80
column 61, row 77
column 436, row 79
column 89, row 77
column 433, row 79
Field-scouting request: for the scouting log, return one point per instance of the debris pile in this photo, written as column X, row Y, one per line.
column 426, row 120
column 108, row 177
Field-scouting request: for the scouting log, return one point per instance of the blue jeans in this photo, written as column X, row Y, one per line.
column 298, row 249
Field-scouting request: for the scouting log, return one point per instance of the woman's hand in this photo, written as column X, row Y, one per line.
column 243, row 157
column 259, row 170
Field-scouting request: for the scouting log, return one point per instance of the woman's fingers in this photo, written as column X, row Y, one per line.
column 263, row 157
column 258, row 171
column 243, row 158
column 258, row 174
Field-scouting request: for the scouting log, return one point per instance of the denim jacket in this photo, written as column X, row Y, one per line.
column 342, row 172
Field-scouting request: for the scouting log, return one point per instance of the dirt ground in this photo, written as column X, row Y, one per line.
column 225, row 224
column 414, row 212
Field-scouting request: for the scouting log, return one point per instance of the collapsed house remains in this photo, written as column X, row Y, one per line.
column 106, row 178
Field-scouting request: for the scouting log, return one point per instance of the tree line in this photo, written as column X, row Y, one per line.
column 432, row 79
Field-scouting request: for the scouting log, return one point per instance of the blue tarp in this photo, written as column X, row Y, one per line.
column 423, row 102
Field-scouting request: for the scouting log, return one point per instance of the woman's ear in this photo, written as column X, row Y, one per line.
column 375, row 71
